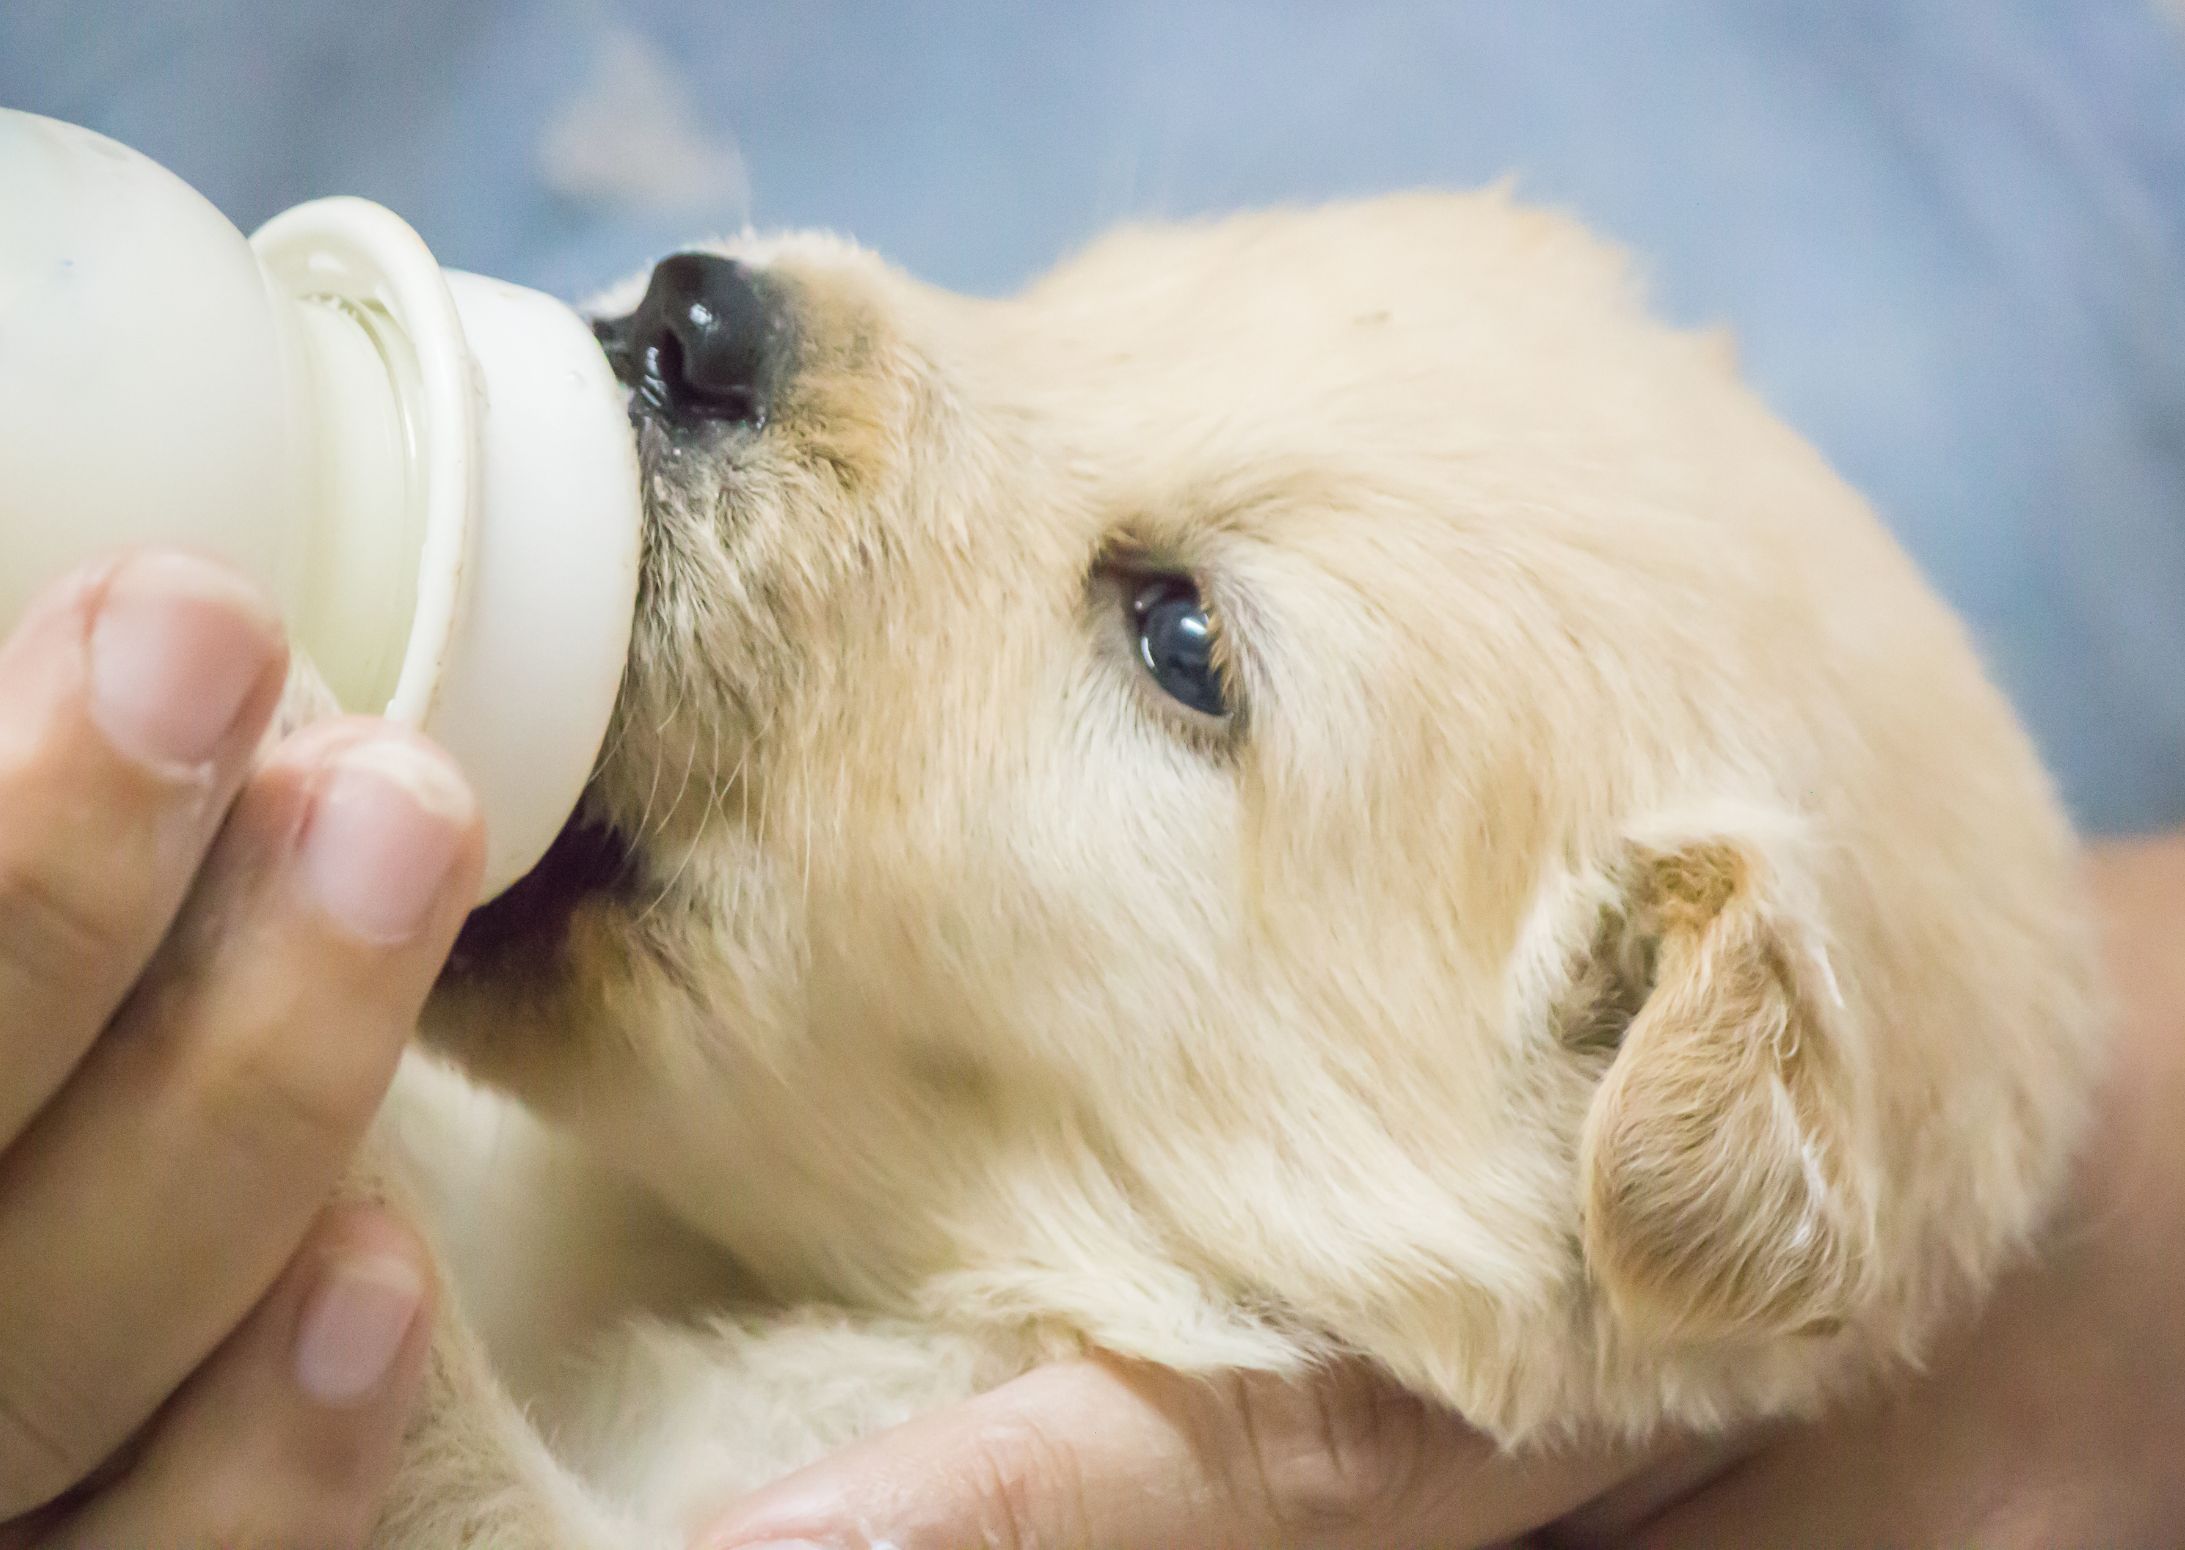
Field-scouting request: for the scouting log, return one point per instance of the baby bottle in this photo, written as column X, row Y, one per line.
column 432, row 473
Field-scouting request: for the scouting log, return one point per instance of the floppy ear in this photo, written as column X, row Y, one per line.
column 1722, row 1196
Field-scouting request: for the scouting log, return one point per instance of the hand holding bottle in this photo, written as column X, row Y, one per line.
column 210, row 960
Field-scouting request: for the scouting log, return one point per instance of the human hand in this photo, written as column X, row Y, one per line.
column 1094, row 1455
column 209, row 964
column 2052, row 1422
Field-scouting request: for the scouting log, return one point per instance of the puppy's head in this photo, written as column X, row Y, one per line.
column 1311, row 783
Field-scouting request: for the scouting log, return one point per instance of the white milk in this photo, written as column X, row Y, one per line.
column 431, row 472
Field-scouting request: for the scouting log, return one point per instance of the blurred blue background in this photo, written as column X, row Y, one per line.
column 1950, row 234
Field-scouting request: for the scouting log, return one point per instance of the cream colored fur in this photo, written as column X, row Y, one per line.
column 1624, row 966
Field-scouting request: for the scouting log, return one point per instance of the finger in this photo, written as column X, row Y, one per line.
column 290, row 1433
column 1107, row 1457
column 131, row 697
column 148, row 1208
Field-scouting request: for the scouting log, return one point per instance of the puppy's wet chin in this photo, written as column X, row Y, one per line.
column 527, row 926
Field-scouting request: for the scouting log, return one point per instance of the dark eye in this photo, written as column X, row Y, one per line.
column 1176, row 643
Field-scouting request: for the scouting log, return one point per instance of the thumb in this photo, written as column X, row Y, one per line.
column 1105, row 1456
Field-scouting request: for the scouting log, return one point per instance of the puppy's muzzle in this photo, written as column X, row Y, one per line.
column 707, row 345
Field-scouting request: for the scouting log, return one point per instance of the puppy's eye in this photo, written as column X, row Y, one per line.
column 1176, row 643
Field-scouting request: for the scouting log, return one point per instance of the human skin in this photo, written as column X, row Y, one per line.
column 212, row 953
column 2050, row 1422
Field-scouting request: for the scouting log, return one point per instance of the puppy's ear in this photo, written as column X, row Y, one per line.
column 1722, row 1199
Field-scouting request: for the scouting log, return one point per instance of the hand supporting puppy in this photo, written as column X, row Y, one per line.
column 2052, row 1423
column 209, row 965
column 1100, row 1457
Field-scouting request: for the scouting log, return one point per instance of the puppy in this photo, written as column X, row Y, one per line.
column 1311, row 784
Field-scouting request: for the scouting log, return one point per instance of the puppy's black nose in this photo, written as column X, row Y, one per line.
column 705, row 342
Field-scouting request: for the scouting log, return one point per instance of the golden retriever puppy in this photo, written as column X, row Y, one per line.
column 1311, row 784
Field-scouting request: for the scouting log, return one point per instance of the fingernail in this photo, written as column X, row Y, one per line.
column 176, row 649
column 383, row 832
column 354, row 1326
